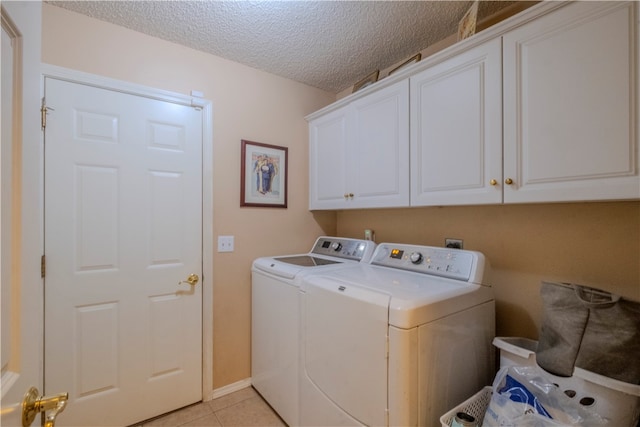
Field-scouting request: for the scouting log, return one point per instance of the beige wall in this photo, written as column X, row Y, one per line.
column 594, row 244
column 247, row 104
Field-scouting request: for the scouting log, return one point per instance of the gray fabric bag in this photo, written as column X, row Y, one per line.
column 564, row 319
column 611, row 342
column 590, row 329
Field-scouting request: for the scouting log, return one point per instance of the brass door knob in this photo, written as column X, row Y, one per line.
column 508, row 181
column 33, row 404
column 493, row 182
column 192, row 280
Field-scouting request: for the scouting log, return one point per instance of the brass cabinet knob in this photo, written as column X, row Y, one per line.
column 508, row 181
column 493, row 182
column 351, row 195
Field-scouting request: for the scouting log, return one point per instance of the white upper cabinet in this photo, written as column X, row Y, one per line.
column 571, row 105
column 359, row 153
column 456, row 129
column 542, row 107
column 328, row 160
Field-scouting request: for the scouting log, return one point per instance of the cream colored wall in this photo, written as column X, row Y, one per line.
column 594, row 244
column 247, row 104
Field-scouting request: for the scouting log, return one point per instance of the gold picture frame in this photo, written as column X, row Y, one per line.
column 367, row 81
column 415, row 58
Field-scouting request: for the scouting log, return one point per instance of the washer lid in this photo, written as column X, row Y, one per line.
column 415, row 298
column 326, row 253
column 289, row 267
column 306, row 260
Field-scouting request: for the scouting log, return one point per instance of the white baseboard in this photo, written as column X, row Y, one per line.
column 229, row 388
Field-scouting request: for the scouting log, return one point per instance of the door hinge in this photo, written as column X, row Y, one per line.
column 43, row 114
column 386, row 344
column 43, row 266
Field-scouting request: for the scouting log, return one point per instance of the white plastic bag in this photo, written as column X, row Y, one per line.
column 523, row 397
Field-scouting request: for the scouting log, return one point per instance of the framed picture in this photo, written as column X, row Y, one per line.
column 263, row 175
column 467, row 25
column 369, row 80
column 415, row 58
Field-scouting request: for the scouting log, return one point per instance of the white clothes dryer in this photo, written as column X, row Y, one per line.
column 275, row 316
column 397, row 342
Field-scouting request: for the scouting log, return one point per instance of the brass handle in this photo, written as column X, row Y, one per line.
column 33, row 404
column 351, row 195
column 493, row 182
column 346, row 196
column 508, row 181
column 192, row 280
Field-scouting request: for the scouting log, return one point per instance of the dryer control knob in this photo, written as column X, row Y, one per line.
column 416, row 257
column 336, row 246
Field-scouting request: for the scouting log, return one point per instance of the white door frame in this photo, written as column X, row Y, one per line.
column 207, row 190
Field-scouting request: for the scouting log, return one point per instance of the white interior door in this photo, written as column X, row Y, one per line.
column 21, row 234
column 123, row 226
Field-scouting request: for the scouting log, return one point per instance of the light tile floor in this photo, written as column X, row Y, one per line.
column 242, row 408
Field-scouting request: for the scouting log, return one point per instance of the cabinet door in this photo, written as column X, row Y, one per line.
column 456, row 130
column 327, row 160
column 570, row 105
column 379, row 150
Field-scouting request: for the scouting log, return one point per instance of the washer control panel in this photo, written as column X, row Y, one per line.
column 452, row 263
column 343, row 247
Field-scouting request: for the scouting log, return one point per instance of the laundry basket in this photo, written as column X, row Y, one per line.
column 617, row 401
column 475, row 406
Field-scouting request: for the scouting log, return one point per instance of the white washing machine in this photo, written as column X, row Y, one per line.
column 275, row 314
column 397, row 342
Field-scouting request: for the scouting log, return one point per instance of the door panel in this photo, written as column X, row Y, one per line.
column 570, row 105
column 380, row 148
column 123, row 176
column 327, row 147
column 20, row 232
column 456, row 125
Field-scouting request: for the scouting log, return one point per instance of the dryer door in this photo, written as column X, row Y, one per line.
column 345, row 331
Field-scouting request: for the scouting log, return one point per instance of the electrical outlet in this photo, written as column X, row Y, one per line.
column 453, row 243
column 225, row 243
column 369, row 235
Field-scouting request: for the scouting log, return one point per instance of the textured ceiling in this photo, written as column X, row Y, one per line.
column 325, row 44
